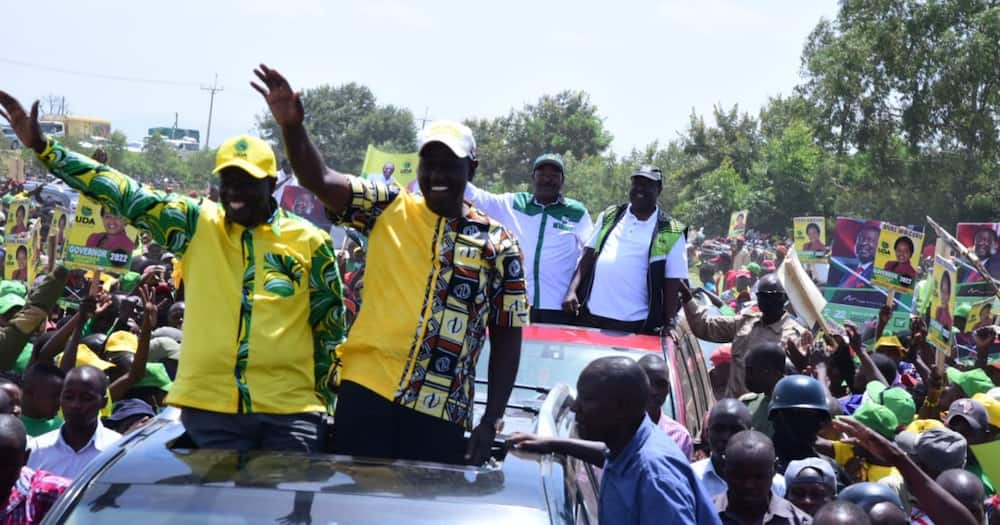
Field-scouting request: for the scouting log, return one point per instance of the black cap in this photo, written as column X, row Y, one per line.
column 127, row 408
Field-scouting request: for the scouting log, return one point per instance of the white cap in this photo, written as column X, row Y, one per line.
column 458, row 137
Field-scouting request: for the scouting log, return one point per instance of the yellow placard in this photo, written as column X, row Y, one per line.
column 942, row 305
column 897, row 258
column 59, row 230
column 737, row 223
column 99, row 240
column 401, row 167
column 810, row 239
column 18, row 217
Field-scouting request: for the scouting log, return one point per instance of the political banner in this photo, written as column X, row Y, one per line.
column 981, row 239
column 99, row 240
column 303, row 203
column 988, row 456
column 18, row 216
column 897, row 258
column 391, row 168
column 737, row 224
column 35, row 248
column 17, row 254
column 58, row 230
column 810, row 239
column 942, row 305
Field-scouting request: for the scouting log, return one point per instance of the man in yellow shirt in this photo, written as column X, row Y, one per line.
column 439, row 272
column 264, row 305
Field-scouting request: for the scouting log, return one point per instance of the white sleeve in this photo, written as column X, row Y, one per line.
column 677, row 260
column 595, row 230
column 584, row 229
column 498, row 206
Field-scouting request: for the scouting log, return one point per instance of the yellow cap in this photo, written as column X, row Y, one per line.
column 992, row 408
column 920, row 426
column 121, row 341
column 890, row 341
column 86, row 356
column 249, row 154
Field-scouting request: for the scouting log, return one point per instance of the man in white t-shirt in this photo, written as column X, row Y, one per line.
column 551, row 228
column 386, row 177
column 630, row 275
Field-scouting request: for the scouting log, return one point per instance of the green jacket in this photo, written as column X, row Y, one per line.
column 43, row 296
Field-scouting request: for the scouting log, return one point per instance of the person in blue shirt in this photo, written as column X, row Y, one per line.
column 646, row 477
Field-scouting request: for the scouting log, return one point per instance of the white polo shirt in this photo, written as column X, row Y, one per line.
column 49, row 452
column 620, row 290
column 551, row 236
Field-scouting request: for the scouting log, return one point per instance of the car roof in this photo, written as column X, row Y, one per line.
column 591, row 336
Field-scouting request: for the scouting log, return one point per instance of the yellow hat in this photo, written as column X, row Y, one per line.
column 890, row 341
column 249, row 154
column 121, row 341
column 86, row 356
column 920, row 426
column 992, row 407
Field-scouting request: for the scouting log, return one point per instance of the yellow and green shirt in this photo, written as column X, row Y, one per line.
column 433, row 285
column 264, row 305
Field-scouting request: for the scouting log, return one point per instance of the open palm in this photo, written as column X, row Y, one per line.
column 285, row 104
column 24, row 125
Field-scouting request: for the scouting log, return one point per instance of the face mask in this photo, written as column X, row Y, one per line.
column 771, row 305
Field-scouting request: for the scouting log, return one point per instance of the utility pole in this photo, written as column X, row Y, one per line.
column 423, row 121
column 213, row 89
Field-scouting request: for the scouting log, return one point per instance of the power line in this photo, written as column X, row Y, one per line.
column 90, row 74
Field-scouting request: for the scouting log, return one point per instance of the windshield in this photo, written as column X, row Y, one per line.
column 111, row 504
column 546, row 364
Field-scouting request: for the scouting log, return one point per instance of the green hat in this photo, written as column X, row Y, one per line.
column 8, row 198
column 129, row 282
column 972, row 382
column 10, row 301
column 156, row 377
column 753, row 268
column 549, row 158
column 13, row 287
column 896, row 399
column 963, row 310
column 878, row 418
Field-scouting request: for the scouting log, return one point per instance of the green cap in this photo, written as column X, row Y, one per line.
column 896, row 399
column 156, row 377
column 8, row 198
column 10, row 301
column 878, row 418
column 753, row 268
column 963, row 310
column 972, row 382
column 13, row 287
column 549, row 158
column 129, row 282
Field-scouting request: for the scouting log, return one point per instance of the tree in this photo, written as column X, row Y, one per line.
column 343, row 120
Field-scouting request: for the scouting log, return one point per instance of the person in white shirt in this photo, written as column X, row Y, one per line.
column 630, row 275
column 551, row 228
column 67, row 450
column 727, row 418
column 386, row 178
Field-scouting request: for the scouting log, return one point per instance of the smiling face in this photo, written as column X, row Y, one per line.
column 548, row 183
column 903, row 251
column 985, row 243
column 643, row 194
column 865, row 244
column 245, row 199
column 112, row 224
column 442, row 177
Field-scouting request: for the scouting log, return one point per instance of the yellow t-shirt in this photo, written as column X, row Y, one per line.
column 432, row 286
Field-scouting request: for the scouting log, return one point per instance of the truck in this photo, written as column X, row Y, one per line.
column 75, row 126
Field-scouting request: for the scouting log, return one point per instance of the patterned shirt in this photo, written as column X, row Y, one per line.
column 433, row 285
column 265, row 303
column 32, row 496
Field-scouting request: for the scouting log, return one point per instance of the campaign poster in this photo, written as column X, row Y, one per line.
column 18, row 217
column 303, row 203
column 59, row 229
column 981, row 239
column 99, row 240
column 35, row 265
column 942, row 305
column 897, row 258
column 392, row 168
column 17, row 255
column 810, row 239
column 737, row 224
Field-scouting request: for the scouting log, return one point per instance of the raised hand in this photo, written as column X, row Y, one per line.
column 285, row 104
column 25, row 125
column 150, row 310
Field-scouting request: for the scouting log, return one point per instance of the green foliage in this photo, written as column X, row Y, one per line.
column 343, row 120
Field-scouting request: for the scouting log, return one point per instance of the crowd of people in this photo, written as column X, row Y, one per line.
column 384, row 333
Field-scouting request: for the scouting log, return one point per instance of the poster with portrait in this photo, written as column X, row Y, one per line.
column 18, row 217
column 59, row 230
column 942, row 305
column 303, row 203
column 391, row 168
column 981, row 239
column 98, row 239
column 35, row 251
column 810, row 239
column 897, row 258
column 737, row 224
column 17, row 250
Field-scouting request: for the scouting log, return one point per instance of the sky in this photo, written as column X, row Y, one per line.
column 645, row 63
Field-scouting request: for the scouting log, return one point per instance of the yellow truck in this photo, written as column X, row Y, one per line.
column 75, row 126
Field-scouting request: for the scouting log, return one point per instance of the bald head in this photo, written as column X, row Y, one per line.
column 767, row 356
column 839, row 512
column 652, row 363
column 967, row 489
column 886, row 513
column 750, row 447
column 89, row 375
column 730, row 411
column 13, row 436
column 619, row 378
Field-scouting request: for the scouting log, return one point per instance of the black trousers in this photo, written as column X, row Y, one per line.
column 366, row 424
